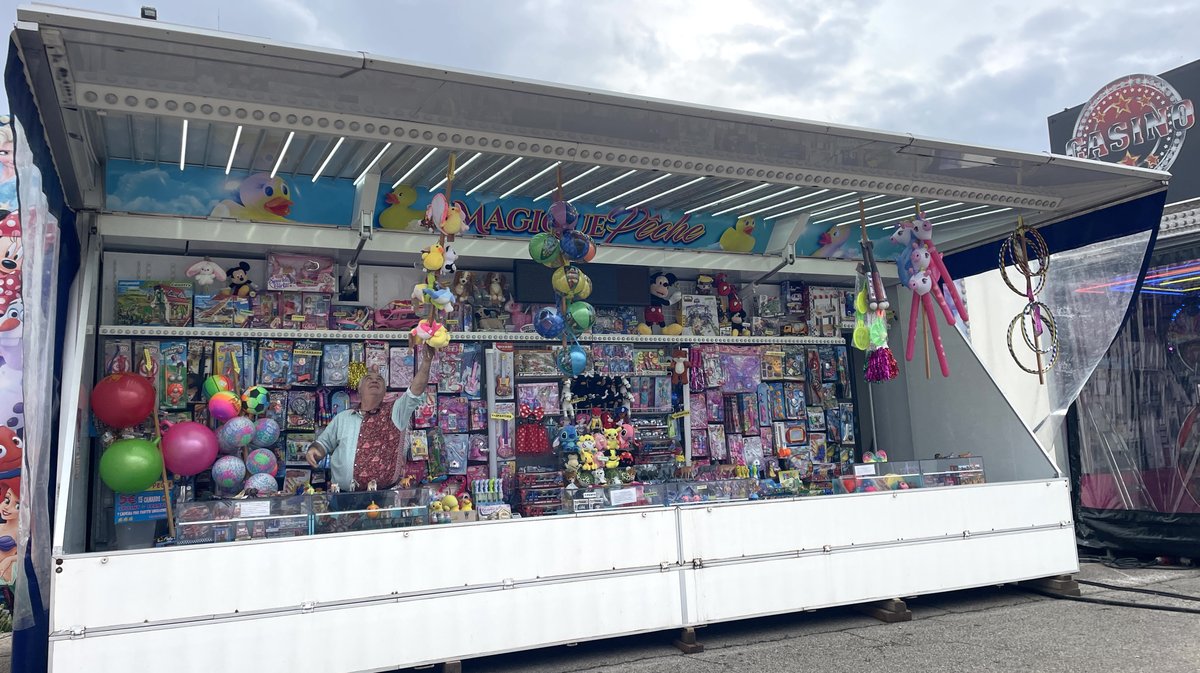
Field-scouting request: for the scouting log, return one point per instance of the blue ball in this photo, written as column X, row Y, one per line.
column 573, row 361
column 549, row 322
column 574, row 244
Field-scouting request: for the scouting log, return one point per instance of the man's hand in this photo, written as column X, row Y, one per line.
column 314, row 455
column 421, row 377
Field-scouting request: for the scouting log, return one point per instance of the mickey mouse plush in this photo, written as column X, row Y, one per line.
column 737, row 322
column 661, row 294
column 239, row 280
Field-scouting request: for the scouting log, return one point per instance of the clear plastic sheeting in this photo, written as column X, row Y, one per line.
column 1139, row 415
column 39, row 233
column 1088, row 291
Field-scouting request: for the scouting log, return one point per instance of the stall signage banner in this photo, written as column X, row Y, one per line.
column 197, row 191
column 148, row 505
column 402, row 208
column 1139, row 120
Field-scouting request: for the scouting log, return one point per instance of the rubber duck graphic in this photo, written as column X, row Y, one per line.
column 12, row 319
column 399, row 216
column 833, row 241
column 739, row 237
column 262, row 199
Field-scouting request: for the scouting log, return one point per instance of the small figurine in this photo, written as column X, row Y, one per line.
column 704, row 284
column 737, row 322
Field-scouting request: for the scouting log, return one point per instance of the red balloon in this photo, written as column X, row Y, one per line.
column 123, row 400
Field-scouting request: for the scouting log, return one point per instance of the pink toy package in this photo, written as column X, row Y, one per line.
column 479, row 450
column 741, row 367
column 300, row 273
column 377, row 358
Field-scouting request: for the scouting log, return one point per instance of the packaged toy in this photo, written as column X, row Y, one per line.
column 275, row 363
column 400, row 367
column 303, row 273
column 455, row 414
column 153, row 303
column 306, row 363
column 335, row 365
column 117, row 356
column 375, row 357
column 264, row 308
column 301, row 410
column 351, row 317
column 221, row 310
column 172, row 389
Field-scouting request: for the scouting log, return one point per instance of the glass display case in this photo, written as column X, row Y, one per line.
column 249, row 519
column 873, row 477
column 625, row 495
column 956, row 471
column 374, row 510
column 709, row 491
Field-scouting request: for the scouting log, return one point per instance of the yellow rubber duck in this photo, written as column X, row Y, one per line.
column 262, row 199
column 739, row 237
column 398, row 216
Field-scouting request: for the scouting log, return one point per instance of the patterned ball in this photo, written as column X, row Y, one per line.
column 215, row 384
column 237, row 432
column 262, row 461
column 548, row 322
column 580, row 315
column 543, row 249
column 265, row 484
column 255, row 400
column 224, row 405
column 575, row 244
column 266, row 433
column 228, row 473
column 569, row 281
column 564, row 214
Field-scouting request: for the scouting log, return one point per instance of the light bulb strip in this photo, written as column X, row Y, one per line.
column 723, row 199
column 328, row 158
column 530, row 179
column 495, row 175
column 283, row 152
column 662, row 194
column 599, row 187
column 639, row 188
column 363, row 176
column 568, row 182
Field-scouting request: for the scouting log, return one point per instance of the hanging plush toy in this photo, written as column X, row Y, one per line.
column 662, row 293
column 204, row 273
column 239, row 280
column 737, row 323
column 679, row 368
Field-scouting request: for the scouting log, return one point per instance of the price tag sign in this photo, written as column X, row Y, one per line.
column 867, row 470
column 496, row 416
column 623, row 496
column 680, row 414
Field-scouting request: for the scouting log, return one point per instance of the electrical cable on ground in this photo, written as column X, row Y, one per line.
column 1140, row 590
column 1119, row 604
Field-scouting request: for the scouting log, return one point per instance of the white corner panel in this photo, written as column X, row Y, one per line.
column 151, row 586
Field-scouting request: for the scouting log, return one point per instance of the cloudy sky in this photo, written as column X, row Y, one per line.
column 983, row 72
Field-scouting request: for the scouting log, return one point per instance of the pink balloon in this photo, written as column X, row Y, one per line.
column 189, row 448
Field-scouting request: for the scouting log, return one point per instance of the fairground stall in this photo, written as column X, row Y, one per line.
column 667, row 391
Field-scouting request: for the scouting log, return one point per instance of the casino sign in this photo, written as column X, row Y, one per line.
column 1137, row 120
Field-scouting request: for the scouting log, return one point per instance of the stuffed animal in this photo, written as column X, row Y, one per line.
column 662, row 293
column 204, row 273
column 573, row 461
column 612, row 439
column 589, row 461
column 433, row 258
column 441, row 298
column 495, row 288
column 737, row 324
column 448, row 262
column 464, row 503
column 612, row 459
column 679, row 367
column 626, row 459
column 627, row 435
column 239, row 280
column 568, row 439
column 464, row 285
column 704, row 285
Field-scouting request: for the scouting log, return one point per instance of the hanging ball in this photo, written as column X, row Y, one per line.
column 580, row 315
column 590, row 254
column 575, row 244
column 585, row 288
column 215, row 384
column 549, row 322
column 189, row 448
column 123, row 400
column 224, row 406
column 228, row 473
column 235, row 434
column 266, row 433
column 570, row 281
column 131, row 465
column 263, row 483
column 564, row 215
column 255, row 400
column 543, row 249
column 572, row 361
column 262, row 461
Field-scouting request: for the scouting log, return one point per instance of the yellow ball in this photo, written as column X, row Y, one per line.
column 569, row 281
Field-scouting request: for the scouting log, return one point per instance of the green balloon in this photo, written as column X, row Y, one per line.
column 131, row 465
column 581, row 315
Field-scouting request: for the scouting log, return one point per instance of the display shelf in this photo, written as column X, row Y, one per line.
column 397, row 335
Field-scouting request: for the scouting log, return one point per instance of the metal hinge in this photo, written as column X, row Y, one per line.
column 77, row 632
column 665, row 566
column 828, row 549
column 966, row 534
column 508, row 583
column 697, row 563
column 308, row 606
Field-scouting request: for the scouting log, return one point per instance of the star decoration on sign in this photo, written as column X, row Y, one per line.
column 1130, row 159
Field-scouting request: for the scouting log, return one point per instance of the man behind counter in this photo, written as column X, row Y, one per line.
column 369, row 443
